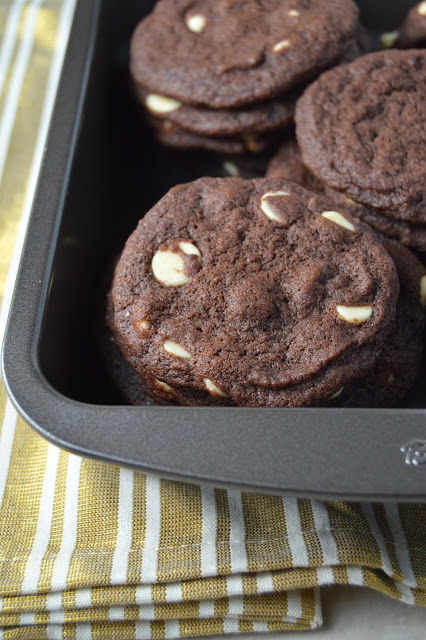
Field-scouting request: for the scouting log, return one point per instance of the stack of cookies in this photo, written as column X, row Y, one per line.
column 259, row 293
column 362, row 138
column 224, row 75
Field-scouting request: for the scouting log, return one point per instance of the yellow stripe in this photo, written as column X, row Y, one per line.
column 350, row 529
column 413, row 522
column 223, row 532
column 19, row 512
column 179, row 554
column 266, row 532
column 97, row 525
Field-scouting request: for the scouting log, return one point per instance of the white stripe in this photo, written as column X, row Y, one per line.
column 6, row 444
column 54, row 602
column 172, row 628
column 83, row 598
column 82, row 631
column 143, row 594
column 209, row 519
column 237, row 536
column 401, row 546
column 260, row 627
column 323, row 529
column 206, row 609
column 10, row 34
column 45, row 514
column 367, row 510
column 143, row 630
column 147, row 612
column 265, row 582
column 125, row 528
column 27, row 619
column 56, row 617
column 325, row 575
column 317, row 621
column 153, row 529
column 235, row 606
column 234, row 585
column 295, row 537
column 116, row 613
column 69, row 535
column 355, row 576
column 174, row 592
column 65, row 21
column 294, row 604
column 231, row 626
column 14, row 92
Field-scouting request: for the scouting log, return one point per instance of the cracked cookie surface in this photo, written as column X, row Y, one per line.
column 251, row 292
column 361, row 130
column 222, row 53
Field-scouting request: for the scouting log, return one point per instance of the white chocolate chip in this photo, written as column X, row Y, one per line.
column 189, row 248
column 163, row 385
column 337, row 217
column 387, row 40
column 231, row 168
column 161, row 104
column 127, row 314
column 175, row 349
column 354, row 315
column 280, row 46
column 213, row 389
column 423, row 291
column 421, row 9
column 266, row 207
column 293, row 13
column 391, row 378
column 168, row 268
column 337, row 394
column 196, row 23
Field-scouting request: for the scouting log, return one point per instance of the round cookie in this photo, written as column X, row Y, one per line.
column 223, row 53
column 251, row 292
column 257, row 118
column 360, row 128
column 398, row 366
column 412, row 32
column 174, row 137
column 287, row 163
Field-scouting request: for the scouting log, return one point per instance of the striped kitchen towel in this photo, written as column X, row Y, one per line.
column 89, row 550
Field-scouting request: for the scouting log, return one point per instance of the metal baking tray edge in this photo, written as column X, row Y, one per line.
column 355, row 454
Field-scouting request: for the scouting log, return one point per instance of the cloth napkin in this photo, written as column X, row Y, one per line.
column 89, row 550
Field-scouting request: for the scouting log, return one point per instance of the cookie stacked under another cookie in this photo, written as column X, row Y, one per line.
column 361, row 131
column 253, row 293
column 398, row 366
column 225, row 76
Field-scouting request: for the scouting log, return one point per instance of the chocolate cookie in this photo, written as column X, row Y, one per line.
column 361, row 131
column 223, row 54
column 412, row 31
column 251, row 292
column 256, row 118
column 398, row 366
column 287, row 163
column 174, row 137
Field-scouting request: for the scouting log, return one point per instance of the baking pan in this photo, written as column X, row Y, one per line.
column 100, row 173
